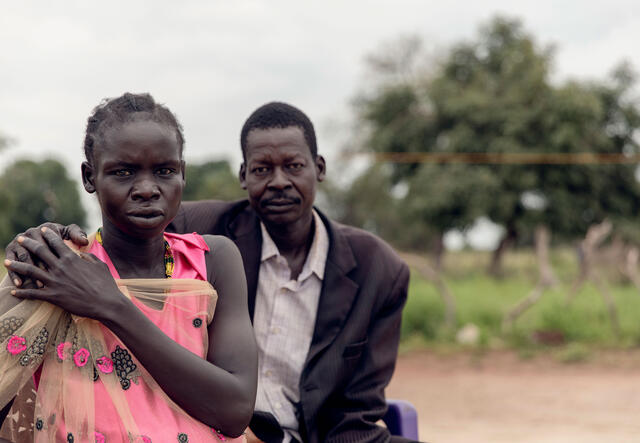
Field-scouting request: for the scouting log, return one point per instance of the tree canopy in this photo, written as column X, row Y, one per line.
column 32, row 193
column 494, row 95
column 212, row 180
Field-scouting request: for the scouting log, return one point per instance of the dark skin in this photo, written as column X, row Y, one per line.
column 281, row 176
column 138, row 176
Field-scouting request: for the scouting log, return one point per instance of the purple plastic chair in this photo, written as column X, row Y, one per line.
column 401, row 419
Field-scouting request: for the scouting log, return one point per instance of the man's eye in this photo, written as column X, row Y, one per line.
column 295, row 165
column 260, row 170
column 165, row 171
column 122, row 172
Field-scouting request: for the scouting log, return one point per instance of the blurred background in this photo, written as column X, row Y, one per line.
column 494, row 144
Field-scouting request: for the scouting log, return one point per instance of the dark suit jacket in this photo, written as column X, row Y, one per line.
column 355, row 340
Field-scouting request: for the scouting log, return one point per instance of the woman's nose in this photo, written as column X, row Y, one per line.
column 145, row 189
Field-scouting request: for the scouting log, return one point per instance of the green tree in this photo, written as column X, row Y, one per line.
column 32, row 193
column 212, row 180
column 493, row 95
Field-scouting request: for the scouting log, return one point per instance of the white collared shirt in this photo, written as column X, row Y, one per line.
column 283, row 321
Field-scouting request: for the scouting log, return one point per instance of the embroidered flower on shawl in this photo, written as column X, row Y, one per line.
column 69, row 437
column 197, row 322
column 63, row 350
column 183, row 438
column 16, row 344
column 145, row 439
column 81, row 357
column 100, row 438
column 39, row 424
column 105, row 364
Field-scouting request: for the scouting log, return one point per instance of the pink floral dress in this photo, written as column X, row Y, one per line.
column 157, row 419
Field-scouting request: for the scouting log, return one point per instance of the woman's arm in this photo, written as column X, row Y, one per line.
column 219, row 392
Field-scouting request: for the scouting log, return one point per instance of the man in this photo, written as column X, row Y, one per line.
column 326, row 299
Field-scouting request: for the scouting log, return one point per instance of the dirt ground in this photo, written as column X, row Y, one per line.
column 500, row 397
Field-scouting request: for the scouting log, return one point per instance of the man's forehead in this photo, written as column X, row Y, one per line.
column 273, row 141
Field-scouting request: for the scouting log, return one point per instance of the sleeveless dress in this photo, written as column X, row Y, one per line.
column 157, row 419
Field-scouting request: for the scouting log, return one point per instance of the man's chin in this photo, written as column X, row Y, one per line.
column 279, row 218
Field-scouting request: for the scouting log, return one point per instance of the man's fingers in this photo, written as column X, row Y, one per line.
column 76, row 235
column 26, row 270
column 55, row 242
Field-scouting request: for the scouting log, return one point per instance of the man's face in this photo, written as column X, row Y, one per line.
column 138, row 176
column 280, row 174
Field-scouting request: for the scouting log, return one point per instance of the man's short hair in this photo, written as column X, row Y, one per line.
column 279, row 115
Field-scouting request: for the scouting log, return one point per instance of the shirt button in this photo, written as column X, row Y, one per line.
column 275, row 330
column 278, row 405
column 267, row 373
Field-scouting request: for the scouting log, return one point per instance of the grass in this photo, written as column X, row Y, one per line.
column 483, row 301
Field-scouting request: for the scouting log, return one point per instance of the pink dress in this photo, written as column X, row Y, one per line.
column 185, row 321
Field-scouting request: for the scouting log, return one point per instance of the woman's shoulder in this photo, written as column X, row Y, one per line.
column 219, row 245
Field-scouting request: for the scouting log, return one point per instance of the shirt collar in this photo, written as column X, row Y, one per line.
column 317, row 257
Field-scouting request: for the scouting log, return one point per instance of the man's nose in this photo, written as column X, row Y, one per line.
column 279, row 179
column 146, row 189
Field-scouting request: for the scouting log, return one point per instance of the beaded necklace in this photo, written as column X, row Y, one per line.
column 169, row 263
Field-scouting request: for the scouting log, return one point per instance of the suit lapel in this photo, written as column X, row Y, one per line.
column 338, row 291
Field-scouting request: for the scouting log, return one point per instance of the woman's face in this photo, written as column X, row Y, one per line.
column 138, row 176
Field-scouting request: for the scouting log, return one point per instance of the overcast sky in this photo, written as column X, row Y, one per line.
column 213, row 62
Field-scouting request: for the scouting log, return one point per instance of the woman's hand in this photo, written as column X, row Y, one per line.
column 79, row 284
column 15, row 252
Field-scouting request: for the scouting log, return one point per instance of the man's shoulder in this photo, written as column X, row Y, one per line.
column 206, row 216
column 365, row 245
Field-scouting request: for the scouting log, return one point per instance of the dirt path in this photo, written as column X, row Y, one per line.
column 501, row 398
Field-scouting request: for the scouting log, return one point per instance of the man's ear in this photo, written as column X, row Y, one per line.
column 242, row 175
column 183, row 170
column 321, row 168
column 88, row 178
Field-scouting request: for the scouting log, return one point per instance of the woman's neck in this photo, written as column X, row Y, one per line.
column 134, row 257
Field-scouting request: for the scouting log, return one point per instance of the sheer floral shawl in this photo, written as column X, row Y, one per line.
column 74, row 354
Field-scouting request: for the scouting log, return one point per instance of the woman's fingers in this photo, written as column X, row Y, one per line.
column 26, row 269
column 15, row 252
column 39, row 250
column 89, row 257
column 37, row 294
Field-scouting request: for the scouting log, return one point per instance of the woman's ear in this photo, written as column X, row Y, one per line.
column 242, row 176
column 88, row 178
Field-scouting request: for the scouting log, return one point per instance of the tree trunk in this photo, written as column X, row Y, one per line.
column 546, row 278
column 596, row 234
column 495, row 267
column 438, row 252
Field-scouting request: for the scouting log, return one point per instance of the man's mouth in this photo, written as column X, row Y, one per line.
column 279, row 202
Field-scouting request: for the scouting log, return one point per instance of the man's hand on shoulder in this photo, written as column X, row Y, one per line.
column 14, row 251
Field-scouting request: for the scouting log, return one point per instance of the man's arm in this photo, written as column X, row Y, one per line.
column 354, row 413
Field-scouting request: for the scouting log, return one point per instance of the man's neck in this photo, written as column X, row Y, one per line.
column 294, row 241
